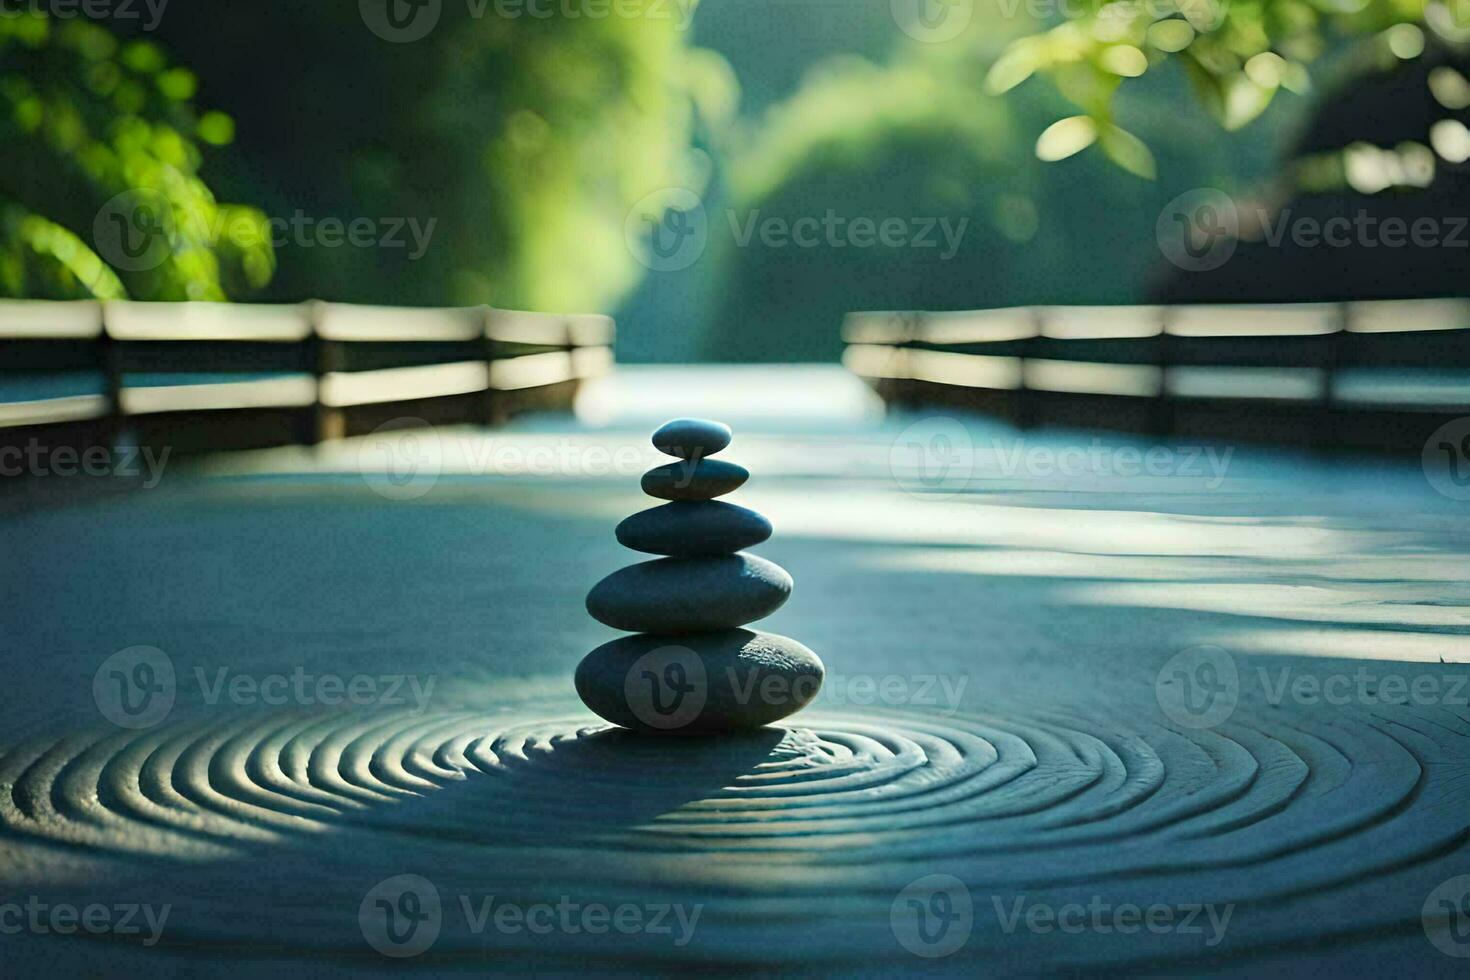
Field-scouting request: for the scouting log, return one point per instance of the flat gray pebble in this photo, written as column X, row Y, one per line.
column 699, row 683
column 691, row 438
column 690, row 480
column 689, row 595
column 693, row 529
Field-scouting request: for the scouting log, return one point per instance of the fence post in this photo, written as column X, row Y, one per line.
column 109, row 362
column 1028, row 406
column 1342, row 317
column 1165, row 418
column 490, row 406
column 323, row 422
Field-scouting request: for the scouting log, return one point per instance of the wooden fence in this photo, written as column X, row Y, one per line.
column 1378, row 375
column 208, row 376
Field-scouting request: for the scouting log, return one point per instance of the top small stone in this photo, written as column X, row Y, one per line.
column 691, row 438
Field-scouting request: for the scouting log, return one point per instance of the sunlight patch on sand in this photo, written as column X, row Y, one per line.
column 864, row 515
column 1351, row 644
column 1026, row 562
column 1381, row 605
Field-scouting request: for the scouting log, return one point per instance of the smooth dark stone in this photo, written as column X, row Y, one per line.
column 700, row 682
column 693, row 529
column 691, row 438
column 689, row 595
column 690, row 480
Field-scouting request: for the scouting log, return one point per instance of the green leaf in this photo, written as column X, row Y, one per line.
column 1245, row 100
column 216, row 128
column 1124, row 60
column 1208, row 87
column 1065, row 137
column 1128, row 152
column 1018, row 63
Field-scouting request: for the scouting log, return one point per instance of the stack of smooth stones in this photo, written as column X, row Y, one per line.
column 689, row 667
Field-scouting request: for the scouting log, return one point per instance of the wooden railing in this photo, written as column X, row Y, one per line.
column 208, row 376
column 1361, row 375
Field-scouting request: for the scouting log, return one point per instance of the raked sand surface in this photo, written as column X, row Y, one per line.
column 1022, row 762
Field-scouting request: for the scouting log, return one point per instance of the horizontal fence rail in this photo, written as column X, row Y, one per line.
column 208, row 376
column 1374, row 375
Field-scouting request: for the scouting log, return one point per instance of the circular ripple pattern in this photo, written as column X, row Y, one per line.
column 807, row 833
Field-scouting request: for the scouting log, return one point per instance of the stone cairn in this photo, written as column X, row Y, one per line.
column 689, row 667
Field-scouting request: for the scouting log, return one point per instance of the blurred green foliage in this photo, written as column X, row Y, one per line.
column 1237, row 54
column 543, row 133
column 917, row 136
column 517, row 144
column 521, row 145
column 84, row 118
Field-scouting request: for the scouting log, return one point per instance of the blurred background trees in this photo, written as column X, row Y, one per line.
column 1053, row 132
column 92, row 126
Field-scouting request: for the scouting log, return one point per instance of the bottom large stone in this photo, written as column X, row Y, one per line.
column 699, row 682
